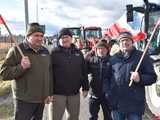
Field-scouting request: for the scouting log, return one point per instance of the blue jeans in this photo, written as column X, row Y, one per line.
column 116, row 115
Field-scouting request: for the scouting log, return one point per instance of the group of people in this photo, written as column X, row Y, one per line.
column 40, row 77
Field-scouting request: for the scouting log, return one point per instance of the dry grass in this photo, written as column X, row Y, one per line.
column 5, row 88
column 1, row 61
column 6, row 111
column 2, row 56
column 4, row 47
column 3, row 53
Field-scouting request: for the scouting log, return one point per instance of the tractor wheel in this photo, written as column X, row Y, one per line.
column 153, row 93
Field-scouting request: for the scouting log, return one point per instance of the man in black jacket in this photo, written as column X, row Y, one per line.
column 99, row 70
column 69, row 75
column 130, row 101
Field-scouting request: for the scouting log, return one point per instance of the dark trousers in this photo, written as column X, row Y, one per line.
column 28, row 111
column 94, row 107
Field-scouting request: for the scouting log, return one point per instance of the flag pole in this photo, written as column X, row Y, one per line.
column 145, row 50
column 12, row 38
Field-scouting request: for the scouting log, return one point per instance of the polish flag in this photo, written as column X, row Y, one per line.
column 1, row 20
column 157, row 118
column 121, row 25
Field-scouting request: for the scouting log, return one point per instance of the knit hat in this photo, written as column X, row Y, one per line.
column 34, row 27
column 64, row 31
column 123, row 35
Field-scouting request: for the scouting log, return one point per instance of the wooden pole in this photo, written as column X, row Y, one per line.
column 145, row 50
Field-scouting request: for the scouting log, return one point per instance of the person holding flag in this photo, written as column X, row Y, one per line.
column 129, row 101
column 29, row 74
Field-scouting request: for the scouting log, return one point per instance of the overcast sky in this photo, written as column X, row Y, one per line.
column 56, row 14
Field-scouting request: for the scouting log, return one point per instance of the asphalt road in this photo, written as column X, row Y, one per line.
column 84, row 113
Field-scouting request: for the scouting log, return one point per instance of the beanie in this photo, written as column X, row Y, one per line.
column 64, row 31
column 123, row 35
column 34, row 27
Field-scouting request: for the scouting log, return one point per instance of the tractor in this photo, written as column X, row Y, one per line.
column 85, row 34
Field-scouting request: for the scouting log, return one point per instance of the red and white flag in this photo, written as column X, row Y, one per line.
column 1, row 20
column 121, row 25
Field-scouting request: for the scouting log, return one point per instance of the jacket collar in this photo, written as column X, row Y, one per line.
column 126, row 55
column 27, row 46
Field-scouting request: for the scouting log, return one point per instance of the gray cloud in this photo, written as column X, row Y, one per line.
column 108, row 10
column 60, row 13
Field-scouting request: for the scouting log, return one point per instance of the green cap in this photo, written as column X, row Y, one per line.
column 34, row 27
column 124, row 35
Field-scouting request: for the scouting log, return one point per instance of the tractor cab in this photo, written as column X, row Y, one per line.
column 91, row 36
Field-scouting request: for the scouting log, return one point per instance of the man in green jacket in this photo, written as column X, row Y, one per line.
column 30, row 75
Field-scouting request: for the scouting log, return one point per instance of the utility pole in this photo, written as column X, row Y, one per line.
column 26, row 13
column 37, row 11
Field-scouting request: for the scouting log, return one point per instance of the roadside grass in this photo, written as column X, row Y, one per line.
column 5, row 88
column 3, row 53
column 7, row 108
column 6, row 111
column 1, row 61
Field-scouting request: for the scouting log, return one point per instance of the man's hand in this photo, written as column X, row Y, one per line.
column 84, row 93
column 88, row 55
column 135, row 77
column 25, row 62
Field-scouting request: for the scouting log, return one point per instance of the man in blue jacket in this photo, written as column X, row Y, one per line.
column 130, row 101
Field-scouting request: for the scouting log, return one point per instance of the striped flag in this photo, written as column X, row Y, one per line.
column 121, row 25
column 1, row 20
column 157, row 118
